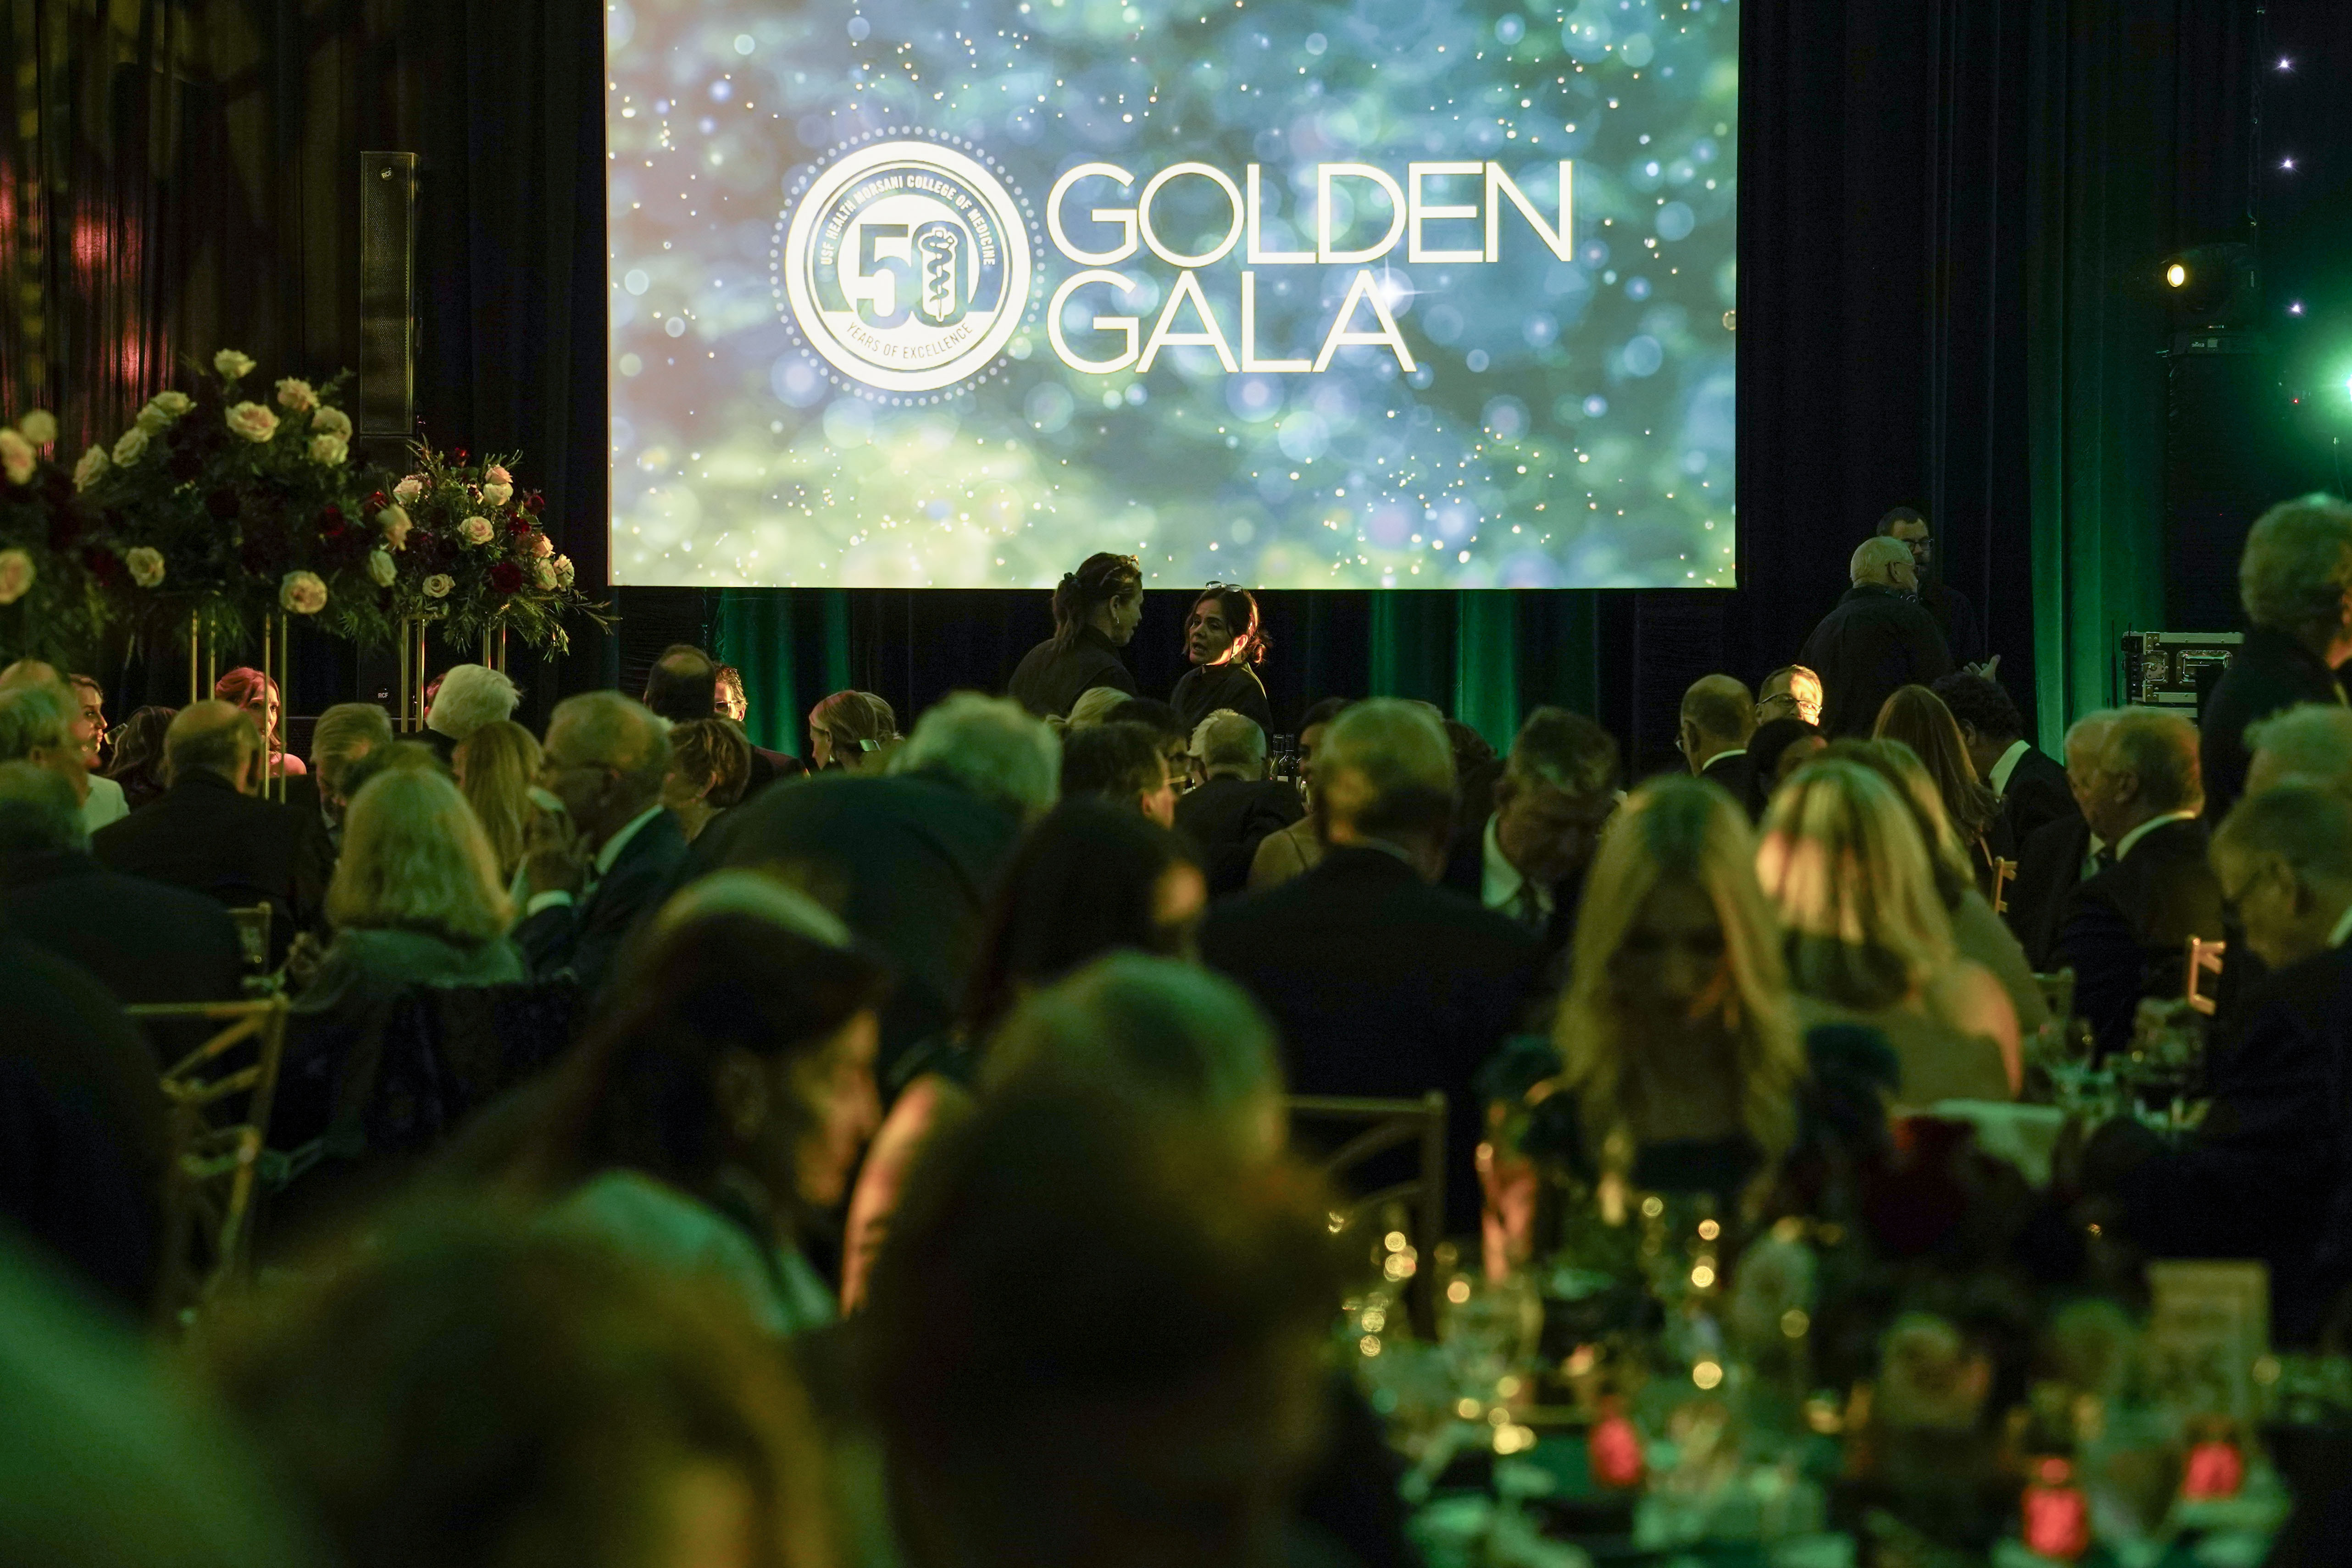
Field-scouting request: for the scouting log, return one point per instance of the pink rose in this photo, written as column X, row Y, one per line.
column 541, row 546
column 408, row 489
column 497, row 475
column 302, row 592
column 562, row 571
column 475, row 530
column 497, row 495
column 253, row 422
column 16, row 575
column 296, row 396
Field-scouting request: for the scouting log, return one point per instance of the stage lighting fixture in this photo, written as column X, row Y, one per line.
column 2213, row 286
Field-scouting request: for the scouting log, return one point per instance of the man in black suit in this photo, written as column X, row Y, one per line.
column 731, row 701
column 1876, row 641
column 142, row 940
column 2033, row 789
column 212, row 833
column 1954, row 616
column 908, row 861
column 2061, row 855
column 2125, row 932
column 1719, row 716
column 1526, row 858
column 1236, row 805
column 2296, row 580
column 592, row 871
column 1384, row 985
column 2271, row 1148
column 345, row 734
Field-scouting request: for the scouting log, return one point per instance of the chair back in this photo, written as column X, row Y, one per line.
column 2004, row 872
column 1372, row 1128
column 218, row 1099
column 2204, row 958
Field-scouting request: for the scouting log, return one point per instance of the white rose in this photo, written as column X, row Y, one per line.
column 497, row 495
column 545, row 572
column 16, row 575
column 146, row 565
column 381, row 571
column 302, row 593
column 127, row 450
column 232, row 364
column 296, row 396
column 476, row 531
column 91, row 468
column 408, row 489
column 328, row 450
column 495, row 475
column 438, row 585
column 170, row 405
column 253, row 422
column 332, row 421
column 396, row 525
column 562, row 571
column 15, row 457
column 153, row 420
column 41, row 426
column 541, row 546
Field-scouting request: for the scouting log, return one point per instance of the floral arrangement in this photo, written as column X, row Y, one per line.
column 227, row 508
column 477, row 559
column 51, row 604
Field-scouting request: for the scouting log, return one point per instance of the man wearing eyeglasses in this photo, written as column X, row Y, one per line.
column 1954, row 616
column 603, row 852
column 1791, row 691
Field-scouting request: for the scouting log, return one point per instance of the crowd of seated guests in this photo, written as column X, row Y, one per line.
column 904, row 1089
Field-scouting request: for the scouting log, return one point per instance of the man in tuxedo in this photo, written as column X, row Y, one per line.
column 2061, row 854
column 1954, row 616
column 212, row 833
column 2033, row 789
column 2295, row 582
column 143, row 941
column 1384, row 984
column 909, row 861
column 2125, row 932
column 731, row 701
column 1235, row 804
column 1526, row 858
column 1718, row 717
column 2271, row 1148
column 1876, row 641
column 609, row 858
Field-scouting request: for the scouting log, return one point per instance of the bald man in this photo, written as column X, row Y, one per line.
column 212, row 833
column 1876, row 641
column 1719, row 716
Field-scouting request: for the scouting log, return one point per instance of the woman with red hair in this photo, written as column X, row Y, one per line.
column 257, row 693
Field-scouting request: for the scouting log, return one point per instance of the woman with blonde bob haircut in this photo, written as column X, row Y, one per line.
column 416, row 898
column 1869, row 937
column 1683, row 1064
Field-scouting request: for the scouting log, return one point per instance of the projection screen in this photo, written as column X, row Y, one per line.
column 1381, row 293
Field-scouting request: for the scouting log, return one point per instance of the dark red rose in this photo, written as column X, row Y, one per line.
column 221, row 503
column 376, row 502
column 519, row 527
column 102, row 564
column 330, row 521
column 535, row 502
column 460, row 457
column 186, row 461
column 506, row 577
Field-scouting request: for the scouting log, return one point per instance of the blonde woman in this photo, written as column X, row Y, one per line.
column 1981, row 935
column 1869, row 939
column 1683, row 1064
column 854, row 731
column 416, row 899
column 495, row 767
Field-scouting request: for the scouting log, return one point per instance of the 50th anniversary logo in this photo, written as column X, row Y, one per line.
column 908, row 264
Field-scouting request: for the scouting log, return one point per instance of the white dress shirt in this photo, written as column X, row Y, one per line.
column 599, row 867
column 2006, row 769
column 2130, row 840
column 1501, row 887
column 104, row 804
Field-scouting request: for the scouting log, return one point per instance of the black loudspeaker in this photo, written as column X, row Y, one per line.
column 2229, row 455
column 386, row 404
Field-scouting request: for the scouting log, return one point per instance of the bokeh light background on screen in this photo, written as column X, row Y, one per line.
column 1566, row 422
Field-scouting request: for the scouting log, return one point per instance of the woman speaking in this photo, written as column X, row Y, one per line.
column 1224, row 640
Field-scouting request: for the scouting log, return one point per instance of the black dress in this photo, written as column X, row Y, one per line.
column 1050, row 678
column 1205, row 688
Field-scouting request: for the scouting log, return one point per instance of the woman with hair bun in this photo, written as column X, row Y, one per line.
column 1225, row 641
column 1095, row 610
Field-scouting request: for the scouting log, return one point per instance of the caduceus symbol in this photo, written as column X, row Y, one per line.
column 940, row 244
